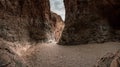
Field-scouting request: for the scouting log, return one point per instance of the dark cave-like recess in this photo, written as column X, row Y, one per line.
column 115, row 22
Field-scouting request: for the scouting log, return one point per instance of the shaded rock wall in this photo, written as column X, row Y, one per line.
column 87, row 22
column 26, row 20
column 22, row 24
column 110, row 10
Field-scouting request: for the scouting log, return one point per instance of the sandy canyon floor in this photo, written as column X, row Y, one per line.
column 53, row 55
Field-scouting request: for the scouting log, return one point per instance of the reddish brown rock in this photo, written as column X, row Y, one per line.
column 58, row 26
column 25, row 21
column 8, row 58
column 110, row 10
column 89, row 21
column 109, row 60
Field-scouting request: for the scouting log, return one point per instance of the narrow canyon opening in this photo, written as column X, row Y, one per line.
column 57, row 6
column 58, row 16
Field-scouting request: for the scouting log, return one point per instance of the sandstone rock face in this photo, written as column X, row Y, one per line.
column 86, row 23
column 22, row 23
column 109, row 60
column 58, row 26
column 8, row 58
column 110, row 10
column 26, row 20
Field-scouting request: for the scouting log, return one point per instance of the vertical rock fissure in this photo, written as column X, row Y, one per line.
column 56, row 7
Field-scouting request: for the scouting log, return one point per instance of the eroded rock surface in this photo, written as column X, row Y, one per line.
column 24, row 23
column 110, row 10
column 27, row 20
column 89, row 21
column 58, row 26
column 109, row 60
column 8, row 58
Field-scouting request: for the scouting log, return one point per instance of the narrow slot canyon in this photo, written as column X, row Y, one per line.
column 59, row 33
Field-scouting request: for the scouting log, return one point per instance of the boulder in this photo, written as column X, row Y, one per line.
column 8, row 58
column 109, row 60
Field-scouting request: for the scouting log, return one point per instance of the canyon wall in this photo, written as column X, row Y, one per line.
column 26, row 20
column 90, row 21
column 24, row 23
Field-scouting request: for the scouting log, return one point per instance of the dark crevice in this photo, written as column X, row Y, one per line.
column 5, row 65
column 7, row 50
